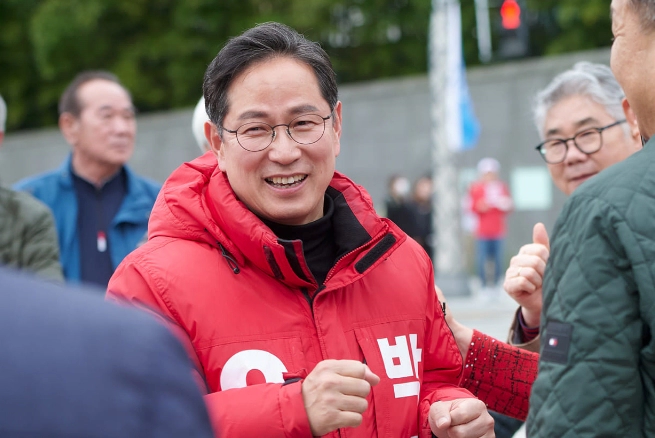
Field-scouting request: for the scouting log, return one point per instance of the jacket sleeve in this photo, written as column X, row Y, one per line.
column 442, row 363
column 500, row 375
column 271, row 410
column 514, row 339
column 40, row 252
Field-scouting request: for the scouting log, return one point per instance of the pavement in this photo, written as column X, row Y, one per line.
column 490, row 312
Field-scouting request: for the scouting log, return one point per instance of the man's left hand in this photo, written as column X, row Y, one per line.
column 461, row 418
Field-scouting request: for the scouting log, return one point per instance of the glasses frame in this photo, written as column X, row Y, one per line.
column 274, row 132
column 565, row 141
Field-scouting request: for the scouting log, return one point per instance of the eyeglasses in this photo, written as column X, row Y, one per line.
column 257, row 136
column 588, row 142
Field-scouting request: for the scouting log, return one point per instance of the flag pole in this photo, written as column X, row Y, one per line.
column 444, row 51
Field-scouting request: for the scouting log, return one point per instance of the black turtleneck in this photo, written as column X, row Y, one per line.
column 317, row 238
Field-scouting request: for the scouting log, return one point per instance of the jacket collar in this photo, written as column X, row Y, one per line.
column 197, row 203
column 132, row 206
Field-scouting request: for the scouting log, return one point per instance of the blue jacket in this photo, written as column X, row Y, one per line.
column 56, row 190
column 74, row 365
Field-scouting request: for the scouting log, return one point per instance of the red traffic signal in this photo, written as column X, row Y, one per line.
column 510, row 13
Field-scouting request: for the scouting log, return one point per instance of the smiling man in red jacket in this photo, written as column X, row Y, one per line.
column 306, row 313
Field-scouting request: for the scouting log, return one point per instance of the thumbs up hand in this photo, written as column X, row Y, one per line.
column 524, row 277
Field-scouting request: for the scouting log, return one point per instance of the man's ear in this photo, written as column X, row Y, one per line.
column 215, row 143
column 632, row 120
column 69, row 127
column 336, row 126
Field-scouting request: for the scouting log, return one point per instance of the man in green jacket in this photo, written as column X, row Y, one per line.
column 597, row 367
column 28, row 238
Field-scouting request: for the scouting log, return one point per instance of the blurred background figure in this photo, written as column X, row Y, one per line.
column 422, row 212
column 399, row 209
column 490, row 202
column 28, row 238
column 74, row 365
column 198, row 125
column 101, row 208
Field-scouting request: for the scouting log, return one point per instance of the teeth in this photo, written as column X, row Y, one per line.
column 286, row 180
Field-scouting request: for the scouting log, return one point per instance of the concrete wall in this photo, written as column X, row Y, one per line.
column 386, row 130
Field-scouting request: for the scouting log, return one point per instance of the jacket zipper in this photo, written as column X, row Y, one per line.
column 370, row 243
column 310, row 302
column 310, row 299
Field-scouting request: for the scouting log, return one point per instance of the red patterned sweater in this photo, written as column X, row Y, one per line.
column 500, row 375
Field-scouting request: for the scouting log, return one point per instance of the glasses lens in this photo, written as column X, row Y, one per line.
column 553, row 151
column 254, row 136
column 588, row 141
column 307, row 128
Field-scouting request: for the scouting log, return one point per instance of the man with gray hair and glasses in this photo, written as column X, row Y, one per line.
column 586, row 125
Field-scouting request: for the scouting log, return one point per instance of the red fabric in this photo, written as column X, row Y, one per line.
column 250, row 312
column 491, row 202
column 500, row 375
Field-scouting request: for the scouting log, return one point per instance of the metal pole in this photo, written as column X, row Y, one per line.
column 449, row 261
column 483, row 30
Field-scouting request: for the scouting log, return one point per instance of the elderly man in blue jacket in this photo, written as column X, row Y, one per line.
column 101, row 208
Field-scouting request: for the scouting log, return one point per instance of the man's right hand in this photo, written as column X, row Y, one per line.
column 525, row 275
column 335, row 394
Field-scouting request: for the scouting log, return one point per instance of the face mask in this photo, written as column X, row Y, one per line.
column 402, row 187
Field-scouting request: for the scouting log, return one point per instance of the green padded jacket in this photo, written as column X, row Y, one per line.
column 28, row 238
column 597, row 367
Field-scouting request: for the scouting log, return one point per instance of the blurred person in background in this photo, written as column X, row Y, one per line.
column 397, row 203
column 198, row 121
column 76, row 366
column 28, row 238
column 422, row 206
column 101, row 207
column 305, row 312
column 586, row 125
column 597, row 364
column 490, row 202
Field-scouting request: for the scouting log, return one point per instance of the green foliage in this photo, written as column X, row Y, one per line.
column 577, row 25
column 160, row 48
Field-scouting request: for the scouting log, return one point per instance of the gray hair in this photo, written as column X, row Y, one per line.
column 258, row 44
column 3, row 114
column 595, row 81
column 646, row 11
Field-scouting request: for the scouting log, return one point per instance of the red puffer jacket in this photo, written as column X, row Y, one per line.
column 255, row 321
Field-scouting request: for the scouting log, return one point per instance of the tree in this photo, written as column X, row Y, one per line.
column 160, row 48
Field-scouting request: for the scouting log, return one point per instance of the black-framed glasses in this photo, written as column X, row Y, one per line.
column 589, row 141
column 257, row 136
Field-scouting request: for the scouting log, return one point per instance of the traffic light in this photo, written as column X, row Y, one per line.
column 510, row 15
column 513, row 39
